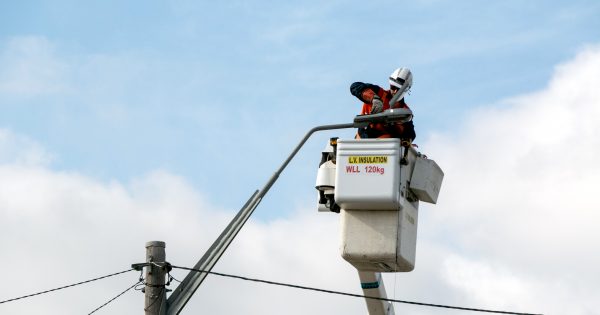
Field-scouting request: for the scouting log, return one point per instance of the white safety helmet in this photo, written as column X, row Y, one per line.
column 402, row 79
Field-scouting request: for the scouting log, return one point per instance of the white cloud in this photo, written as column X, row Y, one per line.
column 486, row 282
column 520, row 190
column 61, row 227
column 515, row 227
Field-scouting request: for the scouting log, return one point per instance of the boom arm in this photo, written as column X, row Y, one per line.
column 372, row 285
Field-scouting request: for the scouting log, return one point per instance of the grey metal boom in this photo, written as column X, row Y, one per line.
column 182, row 294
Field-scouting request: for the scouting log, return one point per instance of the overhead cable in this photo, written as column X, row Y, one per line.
column 65, row 287
column 352, row 294
column 103, row 305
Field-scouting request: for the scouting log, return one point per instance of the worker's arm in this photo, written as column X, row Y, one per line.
column 364, row 91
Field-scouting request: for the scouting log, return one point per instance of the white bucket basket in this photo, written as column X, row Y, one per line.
column 378, row 224
column 368, row 174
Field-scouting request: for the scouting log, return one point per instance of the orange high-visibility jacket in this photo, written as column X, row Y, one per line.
column 365, row 92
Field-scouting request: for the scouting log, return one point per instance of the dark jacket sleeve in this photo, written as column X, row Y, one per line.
column 357, row 88
column 409, row 131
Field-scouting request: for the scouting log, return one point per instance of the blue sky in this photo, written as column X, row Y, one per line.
column 184, row 108
column 138, row 86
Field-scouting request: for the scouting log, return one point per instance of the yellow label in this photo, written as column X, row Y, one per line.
column 376, row 159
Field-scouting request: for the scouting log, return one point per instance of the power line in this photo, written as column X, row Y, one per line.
column 351, row 294
column 103, row 305
column 66, row 286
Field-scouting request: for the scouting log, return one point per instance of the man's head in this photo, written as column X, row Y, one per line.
column 400, row 80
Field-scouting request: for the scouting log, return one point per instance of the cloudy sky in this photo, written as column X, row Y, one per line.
column 122, row 123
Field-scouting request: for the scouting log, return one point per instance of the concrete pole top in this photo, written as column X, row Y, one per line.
column 155, row 244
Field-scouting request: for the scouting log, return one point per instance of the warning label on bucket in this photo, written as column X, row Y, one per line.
column 374, row 159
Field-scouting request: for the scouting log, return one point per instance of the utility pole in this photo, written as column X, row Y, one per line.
column 155, row 291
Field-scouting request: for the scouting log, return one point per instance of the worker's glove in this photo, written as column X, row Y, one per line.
column 377, row 105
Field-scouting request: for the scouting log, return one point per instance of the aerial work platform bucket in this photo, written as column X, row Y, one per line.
column 376, row 185
column 378, row 223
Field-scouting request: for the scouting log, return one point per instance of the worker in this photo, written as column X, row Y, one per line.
column 376, row 99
